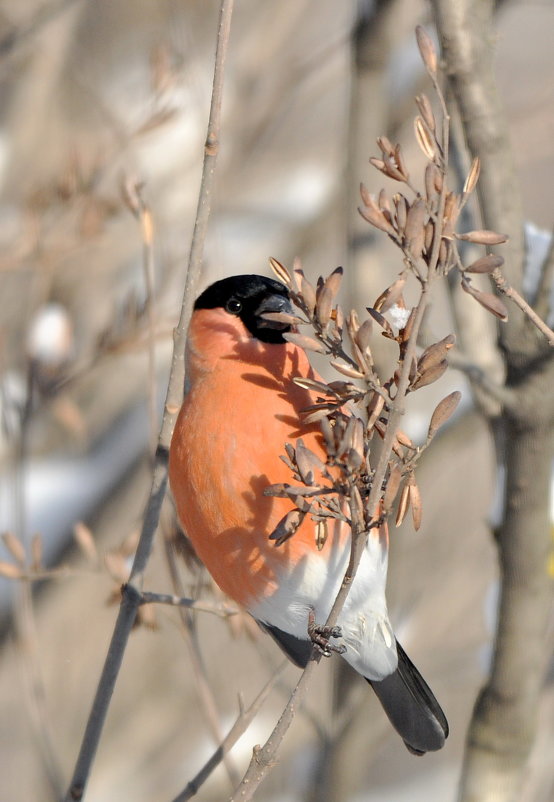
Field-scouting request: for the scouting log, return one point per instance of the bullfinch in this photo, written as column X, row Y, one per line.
column 241, row 406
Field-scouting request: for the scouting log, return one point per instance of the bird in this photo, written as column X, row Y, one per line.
column 241, row 406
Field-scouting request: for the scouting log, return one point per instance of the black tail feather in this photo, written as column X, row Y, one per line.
column 411, row 707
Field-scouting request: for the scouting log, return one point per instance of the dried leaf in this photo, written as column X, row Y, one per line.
column 490, row 302
column 385, row 145
column 483, row 237
column 404, row 440
column 316, row 415
column 443, row 412
column 305, row 342
column 486, row 264
column 377, row 219
column 393, row 485
column 308, row 294
column 425, row 139
column 401, row 162
column 15, row 547
column 415, row 502
column 472, row 176
column 280, row 271
column 427, row 50
column 403, row 505
column 401, row 207
column 313, row 384
column 332, row 282
column 85, row 540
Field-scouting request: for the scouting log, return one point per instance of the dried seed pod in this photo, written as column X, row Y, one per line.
column 324, row 306
column 297, row 272
column 280, row 271
column 393, row 485
column 14, row 545
column 403, row 505
column 406, row 332
column 283, row 317
column 377, row 219
column 392, row 170
column 313, row 384
column 486, row 264
column 374, row 409
column 424, row 105
column 415, row 502
column 443, row 411
column 430, row 375
column 391, row 295
column 435, row 353
column 472, row 176
column 305, row 342
column 308, row 294
column 321, row 533
column 384, row 203
column 451, row 208
column 307, row 462
column 287, row 526
column 357, row 438
column 425, row 139
column 401, row 208
column 404, row 440
column 401, row 162
column 385, row 146
column 383, row 322
column 483, row 237
column 429, row 235
column 414, row 231
column 346, row 370
column 352, row 324
column 363, row 335
column 427, row 50
column 366, row 197
column 316, row 415
column 490, row 302
column 379, row 164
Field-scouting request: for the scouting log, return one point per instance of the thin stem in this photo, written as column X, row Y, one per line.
column 132, row 594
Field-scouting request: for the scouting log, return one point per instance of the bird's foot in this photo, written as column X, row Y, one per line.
column 320, row 636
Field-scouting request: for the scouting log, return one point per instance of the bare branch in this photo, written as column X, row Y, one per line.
column 131, row 597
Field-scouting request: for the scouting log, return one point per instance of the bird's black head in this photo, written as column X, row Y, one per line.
column 248, row 298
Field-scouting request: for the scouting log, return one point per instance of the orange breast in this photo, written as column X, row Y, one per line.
column 241, row 409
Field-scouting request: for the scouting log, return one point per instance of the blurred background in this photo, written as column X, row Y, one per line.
column 100, row 96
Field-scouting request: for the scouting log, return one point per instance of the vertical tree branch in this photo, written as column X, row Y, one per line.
column 504, row 720
column 131, row 594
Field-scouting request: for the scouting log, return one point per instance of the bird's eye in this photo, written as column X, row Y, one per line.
column 234, row 306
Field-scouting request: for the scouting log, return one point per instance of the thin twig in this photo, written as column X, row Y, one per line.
column 203, row 687
column 131, row 597
column 221, row 610
column 503, row 287
column 239, row 727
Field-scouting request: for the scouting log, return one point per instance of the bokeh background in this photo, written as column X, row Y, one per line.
column 101, row 94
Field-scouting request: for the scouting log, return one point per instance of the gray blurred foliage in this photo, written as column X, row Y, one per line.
column 97, row 92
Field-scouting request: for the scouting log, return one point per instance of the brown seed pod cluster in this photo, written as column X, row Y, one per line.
column 361, row 405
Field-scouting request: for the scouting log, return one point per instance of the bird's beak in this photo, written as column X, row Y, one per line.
column 277, row 306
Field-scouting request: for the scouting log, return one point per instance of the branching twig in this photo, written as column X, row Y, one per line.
column 503, row 287
column 221, row 610
column 239, row 727
column 131, row 596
